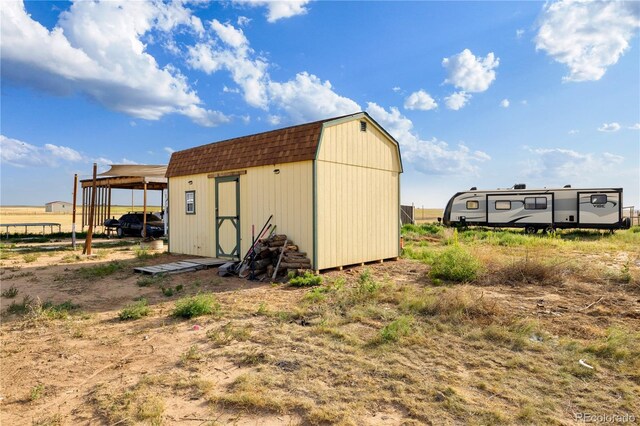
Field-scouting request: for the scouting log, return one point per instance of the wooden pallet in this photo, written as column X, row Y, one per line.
column 186, row 265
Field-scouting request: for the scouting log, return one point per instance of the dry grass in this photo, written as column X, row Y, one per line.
column 374, row 345
column 34, row 214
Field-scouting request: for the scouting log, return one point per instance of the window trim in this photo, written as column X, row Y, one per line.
column 596, row 196
column 476, row 202
column 186, row 202
column 363, row 126
column 502, row 201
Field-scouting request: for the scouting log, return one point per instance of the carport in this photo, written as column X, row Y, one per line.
column 119, row 176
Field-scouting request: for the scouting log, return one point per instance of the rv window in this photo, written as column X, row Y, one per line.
column 503, row 205
column 535, row 203
column 190, row 198
column 473, row 205
column 599, row 199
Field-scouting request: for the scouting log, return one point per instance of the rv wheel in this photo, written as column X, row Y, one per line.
column 549, row 230
column 530, row 229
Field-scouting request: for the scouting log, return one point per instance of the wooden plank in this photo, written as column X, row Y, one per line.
column 208, row 261
column 226, row 174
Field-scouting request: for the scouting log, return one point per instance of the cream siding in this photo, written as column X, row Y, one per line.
column 287, row 195
column 192, row 233
column 357, row 195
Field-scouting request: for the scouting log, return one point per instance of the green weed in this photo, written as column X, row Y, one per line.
column 396, row 329
column 36, row 392
column 194, row 306
column 30, row 257
column 10, row 293
column 101, row 271
column 135, row 310
column 308, row 279
column 455, row 264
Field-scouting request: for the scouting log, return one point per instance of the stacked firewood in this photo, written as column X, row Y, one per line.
column 278, row 251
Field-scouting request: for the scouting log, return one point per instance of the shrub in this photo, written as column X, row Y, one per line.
column 135, row 310
column 455, row 264
column 48, row 310
column 10, row 293
column 194, row 306
column 393, row 331
column 308, row 279
column 21, row 308
column 451, row 304
column 29, row 258
column 526, row 271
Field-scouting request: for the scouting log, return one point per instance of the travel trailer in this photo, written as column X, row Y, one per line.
column 538, row 209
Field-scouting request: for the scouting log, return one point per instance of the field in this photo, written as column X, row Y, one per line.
column 34, row 214
column 476, row 327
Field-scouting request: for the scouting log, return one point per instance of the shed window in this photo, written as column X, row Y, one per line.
column 363, row 126
column 503, row 205
column 473, row 205
column 190, row 202
column 535, row 203
column 599, row 199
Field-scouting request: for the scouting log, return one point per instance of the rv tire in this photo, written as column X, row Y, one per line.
column 530, row 229
column 549, row 229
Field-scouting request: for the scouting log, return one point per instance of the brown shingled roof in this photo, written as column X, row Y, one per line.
column 288, row 145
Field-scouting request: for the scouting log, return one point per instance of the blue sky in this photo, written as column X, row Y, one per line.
column 483, row 94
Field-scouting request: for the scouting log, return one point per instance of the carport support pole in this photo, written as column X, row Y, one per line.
column 144, row 212
column 87, row 243
column 73, row 217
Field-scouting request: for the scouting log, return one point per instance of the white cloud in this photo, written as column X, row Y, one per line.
column 420, row 100
column 457, row 100
column 277, row 10
column 471, row 74
column 307, row 98
column 304, row 98
column 243, row 21
column 609, row 127
column 169, row 150
column 635, row 127
column 96, row 49
column 229, row 34
column 396, row 89
column 573, row 132
column 566, row 163
column 22, row 154
column 274, row 120
column 587, row 36
column 519, row 33
column 428, row 156
column 248, row 72
column 505, row 103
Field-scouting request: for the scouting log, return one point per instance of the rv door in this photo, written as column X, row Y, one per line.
column 599, row 208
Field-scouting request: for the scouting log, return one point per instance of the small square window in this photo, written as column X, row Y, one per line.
column 190, row 202
column 503, row 205
column 473, row 205
column 363, row 126
column 599, row 199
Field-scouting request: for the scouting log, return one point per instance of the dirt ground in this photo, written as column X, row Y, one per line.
column 85, row 368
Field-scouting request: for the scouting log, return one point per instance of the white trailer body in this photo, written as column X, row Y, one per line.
column 534, row 209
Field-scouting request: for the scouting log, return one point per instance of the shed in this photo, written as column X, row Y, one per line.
column 58, row 207
column 332, row 186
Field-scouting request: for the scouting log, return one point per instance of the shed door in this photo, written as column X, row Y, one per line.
column 228, row 217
